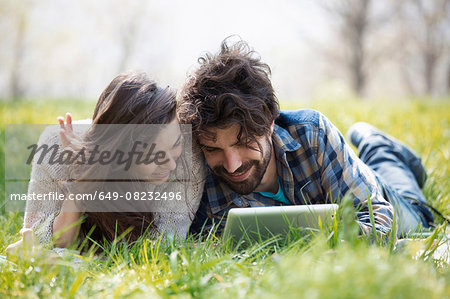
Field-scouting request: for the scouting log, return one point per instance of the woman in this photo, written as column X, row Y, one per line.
column 129, row 99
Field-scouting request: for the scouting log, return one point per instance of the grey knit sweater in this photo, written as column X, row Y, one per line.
column 46, row 178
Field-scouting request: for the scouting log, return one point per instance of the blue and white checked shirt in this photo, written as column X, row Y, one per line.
column 314, row 165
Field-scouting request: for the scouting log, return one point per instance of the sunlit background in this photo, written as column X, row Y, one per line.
column 341, row 48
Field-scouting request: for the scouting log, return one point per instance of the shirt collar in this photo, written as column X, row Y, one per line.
column 223, row 195
column 284, row 140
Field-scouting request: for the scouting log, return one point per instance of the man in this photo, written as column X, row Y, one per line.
column 260, row 156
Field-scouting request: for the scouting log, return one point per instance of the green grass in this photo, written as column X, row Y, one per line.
column 306, row 267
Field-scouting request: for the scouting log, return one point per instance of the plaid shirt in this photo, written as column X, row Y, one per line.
column 314, row 165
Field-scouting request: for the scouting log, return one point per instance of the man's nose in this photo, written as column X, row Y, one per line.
column 232, row 161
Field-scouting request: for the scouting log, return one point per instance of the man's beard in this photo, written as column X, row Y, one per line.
column 252, row 182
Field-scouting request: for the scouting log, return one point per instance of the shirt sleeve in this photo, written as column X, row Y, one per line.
column 343, row 173
column 40, row 215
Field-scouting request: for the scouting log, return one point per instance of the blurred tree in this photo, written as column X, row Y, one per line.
column 18, row 14
column 353, row 19
column 356, row 23
column 448, row 80
column 123, row 21
column 128, row 29
column 424, row 42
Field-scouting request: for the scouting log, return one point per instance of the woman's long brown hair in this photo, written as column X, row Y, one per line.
column 129, row 99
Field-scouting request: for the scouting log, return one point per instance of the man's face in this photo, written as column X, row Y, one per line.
column 237, row 164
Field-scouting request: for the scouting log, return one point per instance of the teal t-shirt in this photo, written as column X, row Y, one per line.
column 279, row 196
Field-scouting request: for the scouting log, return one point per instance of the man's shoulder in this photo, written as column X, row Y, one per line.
column 298, row 117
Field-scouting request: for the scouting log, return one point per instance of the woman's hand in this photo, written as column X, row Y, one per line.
column 28, row 247
column 25, row 245
column 68, row 137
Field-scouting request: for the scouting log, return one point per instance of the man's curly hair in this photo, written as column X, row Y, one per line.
column 231, row 87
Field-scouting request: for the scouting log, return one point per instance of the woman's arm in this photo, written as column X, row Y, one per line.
column 66, row 225
column 52, row 218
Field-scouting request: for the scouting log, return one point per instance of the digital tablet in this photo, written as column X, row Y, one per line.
column 262, row 223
